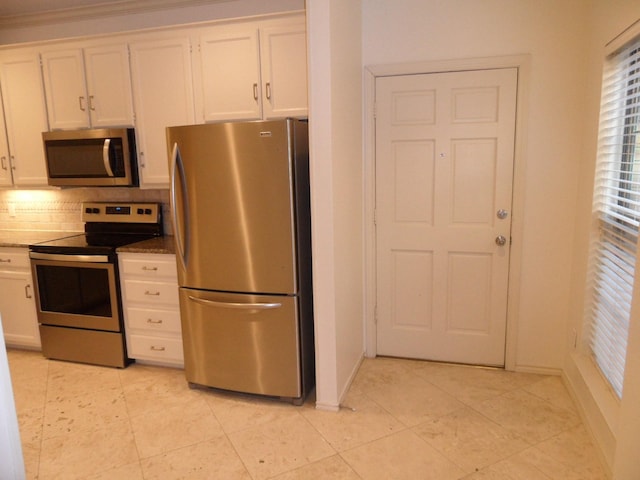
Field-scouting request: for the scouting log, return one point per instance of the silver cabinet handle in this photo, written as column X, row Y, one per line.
column 3, row 160
column 150, row 269
column 27, row 294
column 105, row 157
column 152, row 294
column 153, row 321
column 91, row 107
column 233, row 305
column 268, row 90
column 255, row 92
column 157, row 349
column 80, row 102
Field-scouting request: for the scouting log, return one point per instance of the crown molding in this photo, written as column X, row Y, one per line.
column 110, row 8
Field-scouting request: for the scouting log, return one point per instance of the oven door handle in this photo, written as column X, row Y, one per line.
column 69, row 258
column 105, row 157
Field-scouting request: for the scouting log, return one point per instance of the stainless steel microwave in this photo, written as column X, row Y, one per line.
column 103, row 157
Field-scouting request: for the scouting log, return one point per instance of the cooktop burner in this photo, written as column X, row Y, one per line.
column 107, row 227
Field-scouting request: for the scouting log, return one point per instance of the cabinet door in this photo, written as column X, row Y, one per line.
column 18, row 308
column 26, row 116
column 283, row 53
column 5, row 167
column 64, row 82
column 162, row 97
column 230, row 80
column 109, row 86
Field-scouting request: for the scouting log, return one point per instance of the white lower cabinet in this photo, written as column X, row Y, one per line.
column 149, row 285
column 17, row 301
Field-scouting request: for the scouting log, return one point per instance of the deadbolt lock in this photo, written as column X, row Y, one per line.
column 502, row 214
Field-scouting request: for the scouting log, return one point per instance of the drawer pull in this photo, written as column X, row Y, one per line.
column 2, row 260
column 150, row 269
column 152, row 294
column 157, row 349
column 153, row 321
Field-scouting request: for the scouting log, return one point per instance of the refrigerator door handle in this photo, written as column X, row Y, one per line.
column 177, row 164
column 237, row 306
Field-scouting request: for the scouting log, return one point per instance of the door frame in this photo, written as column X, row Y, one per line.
column 523, row 64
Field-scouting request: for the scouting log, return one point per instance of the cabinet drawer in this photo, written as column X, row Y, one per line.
column 156, row 348
column 154, row 266
column 14, row 258
column 166, row 321
column 151, row 292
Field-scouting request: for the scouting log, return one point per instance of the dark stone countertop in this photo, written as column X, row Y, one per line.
column 155, row 245
column 24, row 238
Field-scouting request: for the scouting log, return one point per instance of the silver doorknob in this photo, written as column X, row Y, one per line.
column 501, row 240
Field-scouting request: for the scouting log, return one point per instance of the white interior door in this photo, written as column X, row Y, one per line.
column 444, row 173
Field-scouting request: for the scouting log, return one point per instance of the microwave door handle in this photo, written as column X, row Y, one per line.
column 105, row 157
column 177, row 167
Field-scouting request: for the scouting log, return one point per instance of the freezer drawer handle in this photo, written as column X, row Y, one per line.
column 240, row 306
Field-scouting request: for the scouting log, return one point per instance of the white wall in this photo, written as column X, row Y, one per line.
column 335, row 91
column 616, row 425
column 11, row 462
column 552, row 33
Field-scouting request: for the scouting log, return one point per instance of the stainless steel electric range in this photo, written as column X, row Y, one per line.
column 76, row 283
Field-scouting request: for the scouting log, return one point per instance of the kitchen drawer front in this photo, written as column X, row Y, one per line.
column 153, row 266
column 166, row 350
column 152, row 293
column 154, row 320
column 14, row 258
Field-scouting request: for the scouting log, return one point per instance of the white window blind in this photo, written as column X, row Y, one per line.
column 616, row 206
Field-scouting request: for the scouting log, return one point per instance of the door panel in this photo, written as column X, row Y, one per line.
column 239, row 194
column 245, row 343
column 444, row 166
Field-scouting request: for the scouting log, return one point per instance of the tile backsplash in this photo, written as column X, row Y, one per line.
column 60, row 209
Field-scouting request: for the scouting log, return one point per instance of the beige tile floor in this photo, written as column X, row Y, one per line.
column 402, row 419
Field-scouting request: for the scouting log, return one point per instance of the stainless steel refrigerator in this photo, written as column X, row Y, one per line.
column 240, row 205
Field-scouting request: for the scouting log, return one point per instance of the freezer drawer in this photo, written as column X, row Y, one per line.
column 244, row 343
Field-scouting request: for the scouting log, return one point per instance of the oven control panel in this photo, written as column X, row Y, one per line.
column 121, row 212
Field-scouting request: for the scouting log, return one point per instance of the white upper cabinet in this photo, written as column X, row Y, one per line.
column 283, row 53
column 163, row 97
column 230, row 77
column 251, row 71
column 22, row 153
column 88, row 87
column 109, row 86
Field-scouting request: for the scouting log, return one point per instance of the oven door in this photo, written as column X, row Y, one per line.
column 77, row 291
